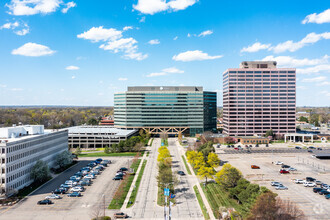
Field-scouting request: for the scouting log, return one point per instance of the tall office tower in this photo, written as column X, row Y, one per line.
column 167, row 109
column 258, row 97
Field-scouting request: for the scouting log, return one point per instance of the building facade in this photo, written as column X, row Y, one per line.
column 21, row 147
column 166, row 109
column 97, row 136
column 258, row 97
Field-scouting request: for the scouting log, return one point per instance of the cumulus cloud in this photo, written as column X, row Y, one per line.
column 10, row 25
column 205, row 33
column 288, row 61
column 194, row 55
column 323, row 17
column 96, row 34
column 73, row 77
column 166, row 71
column 32, row 7
column 68, row 6
column 33, row 50
column 315, row 69
column 315, row 79
column 114, row 42
column 143, row 19
column 122, row 79
column 25, row 29
column 255, row 47
column 175, row 38
column 126, row 28
column 154, row 6
column 326, row 83
column 72, row 68
column 155, row 41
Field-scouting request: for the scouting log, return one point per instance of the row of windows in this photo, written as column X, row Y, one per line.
column 282, row 71
column 264, row 83
column 233, row 75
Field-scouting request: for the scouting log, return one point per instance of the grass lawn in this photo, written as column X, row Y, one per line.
column 102, row 154
column 217, row 197
column 277, row 141
column 148, row 153
column 117, row 203
column 137, row 184
column 186, row 165
column 201, row 204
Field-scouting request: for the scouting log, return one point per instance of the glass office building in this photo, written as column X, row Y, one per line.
column 166, row 109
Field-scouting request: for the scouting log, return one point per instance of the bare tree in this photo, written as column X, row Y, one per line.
column 96, row 212
column 288, row 210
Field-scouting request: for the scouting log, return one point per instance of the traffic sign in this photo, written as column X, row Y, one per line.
column 172, row 196
column 166, row 191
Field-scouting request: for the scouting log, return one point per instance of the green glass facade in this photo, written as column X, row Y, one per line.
column 165, row 107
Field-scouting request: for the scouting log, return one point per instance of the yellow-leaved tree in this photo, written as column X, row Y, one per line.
column 205, row 172
column 228, row 176
column 213, row 160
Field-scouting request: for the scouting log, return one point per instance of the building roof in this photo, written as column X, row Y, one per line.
column 164, row 88
column 110, row 130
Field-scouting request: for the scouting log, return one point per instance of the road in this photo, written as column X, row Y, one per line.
column 86, row 207
column 269, row 150
column 187, row 206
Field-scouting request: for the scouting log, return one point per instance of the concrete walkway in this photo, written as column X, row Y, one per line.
column 134, row 181
column 196, row 181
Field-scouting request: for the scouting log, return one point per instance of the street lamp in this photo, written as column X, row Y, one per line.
column 103, row 205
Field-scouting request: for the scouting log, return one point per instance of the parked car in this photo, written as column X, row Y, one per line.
column 45, row 202
column 297, row 147
column 77, row 189
column 281, row 187
column 319, row 148
column 255, row 167
column 310, row 151
column 279, row 163
column 120, row 215
column 118, row 178
column 275, row 183
column 318, row 182
column 311, row 147
column 284, row 171
column 84, row 183
column 257, row 145
column 285, row 166
column 74, row 194
column 53, row 196
column 309, row 184
column 324, row 186
column 65, row 186
column 324, row 192
column 70, row 183
column 316, row 190
column 327, row 196
column 107, row 161
column 59, row 191
column 310, row 179
column 267, row 145
column 181, row 173
column 123, row 169
column 292, row 169
column 299, row 181
column 99, row 160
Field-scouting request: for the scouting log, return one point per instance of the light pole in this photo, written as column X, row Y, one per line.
column 103, row 205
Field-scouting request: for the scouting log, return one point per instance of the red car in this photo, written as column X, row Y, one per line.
column 284, row 171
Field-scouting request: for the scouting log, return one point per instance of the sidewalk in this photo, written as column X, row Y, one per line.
column 196, row 182
column 134, row 181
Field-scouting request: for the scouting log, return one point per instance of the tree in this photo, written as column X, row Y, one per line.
column 228, row 176
column 302, row 118
column 40, row 172
column 288, row 210
column 269, row 133
column 77, row 151
column 229, row 140
column 199, row 161
column 63, row 159
column 265, row 207
column 106, row 150
column 213, row 160
column 205, row 172
column 314, row 119
column 92, row 121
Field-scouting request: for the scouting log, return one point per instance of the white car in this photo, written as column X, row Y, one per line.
column 275, row 183
column 70, row 183
column 53, row 196
column 299, row 181
column 279, row 163
column 292, row 169
column 309, row 184
column 77, row 189
column 281, row 187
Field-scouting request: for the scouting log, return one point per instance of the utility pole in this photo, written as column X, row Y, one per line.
column 103, row 205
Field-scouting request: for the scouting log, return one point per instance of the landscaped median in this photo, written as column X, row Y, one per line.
column 137, row 185
column 102, row 154
column 121, row 193
column 201, row 203
column 186, row 165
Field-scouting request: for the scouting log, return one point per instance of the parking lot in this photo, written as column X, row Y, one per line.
column 93, row 200
column 315, row 206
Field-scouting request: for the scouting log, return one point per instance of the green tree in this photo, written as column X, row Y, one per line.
column 228, row 176
column 40, row 172
column 213, row 160
column 106, row 150
column 269, row 133
column 63, row 159
column 302, row 118
column 77, row 151
column 315, row 120
column 92, row 121
column 205, row 172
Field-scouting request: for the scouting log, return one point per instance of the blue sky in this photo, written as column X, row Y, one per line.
column 59, row 52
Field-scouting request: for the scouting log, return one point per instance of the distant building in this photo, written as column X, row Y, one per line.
column 168, row 109
column 107, row 121
column 97, row 136
column 303, row 114
column 258, row 97
column 21, row 147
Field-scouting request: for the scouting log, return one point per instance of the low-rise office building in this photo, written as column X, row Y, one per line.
column 166, row 109
column 97, row 136
column 21, row 147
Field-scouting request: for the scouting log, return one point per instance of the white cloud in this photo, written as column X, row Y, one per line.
column 72, row 68
column 14, row 25
column 22, row 32
column 96, row 34
column 326, row 93
column 126, row 28
column 175, row 38
column 143, row 19
column 315, row 69
column 10, row 25
column 205, row 33
column 291, row 46
column 325, row 83
column 32, row 7
column 188, row 35
column 73, row 77
column 155, row 41
column 315, row 79
column 288, row 61
column 166, row 71
column 194, row 55
column 122, row 79
column 68, row 6
column 255, row 47
column 33, row 50
column 100, row 94
column 155, row 6
column 16, row 89
column 323, row 17
column 3, row 86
